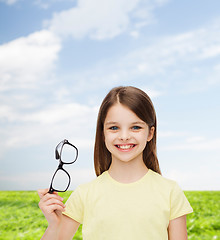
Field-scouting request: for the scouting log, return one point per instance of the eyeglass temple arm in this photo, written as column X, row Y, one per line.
column 57, row 155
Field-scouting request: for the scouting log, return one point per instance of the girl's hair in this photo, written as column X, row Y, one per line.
column 139, row 103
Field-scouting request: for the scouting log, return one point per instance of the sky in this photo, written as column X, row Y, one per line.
column 58, row 60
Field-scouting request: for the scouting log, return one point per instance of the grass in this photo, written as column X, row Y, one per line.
column 20, row 217
column 204, row 222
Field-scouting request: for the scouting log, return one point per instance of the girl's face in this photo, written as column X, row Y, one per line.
column 125, row 134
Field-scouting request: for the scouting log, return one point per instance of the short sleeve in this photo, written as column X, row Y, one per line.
column 179, row 204
column 75, row 206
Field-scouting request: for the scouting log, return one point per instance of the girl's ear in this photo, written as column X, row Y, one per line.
column 151, row 134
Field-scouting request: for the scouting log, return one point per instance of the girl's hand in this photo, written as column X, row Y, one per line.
column 52, row 206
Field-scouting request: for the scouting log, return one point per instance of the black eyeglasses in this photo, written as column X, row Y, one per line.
column 66, row 153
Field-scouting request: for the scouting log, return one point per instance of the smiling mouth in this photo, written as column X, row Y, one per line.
column 125, row 147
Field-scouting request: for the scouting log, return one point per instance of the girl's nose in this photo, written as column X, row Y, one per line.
column 124, row 136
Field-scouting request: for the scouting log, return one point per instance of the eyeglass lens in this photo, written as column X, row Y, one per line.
column 68, row 154
column 61, row 180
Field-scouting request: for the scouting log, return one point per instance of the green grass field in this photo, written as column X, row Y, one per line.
column 20, row 217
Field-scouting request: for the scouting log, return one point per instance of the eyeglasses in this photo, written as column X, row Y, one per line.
column 66, row 153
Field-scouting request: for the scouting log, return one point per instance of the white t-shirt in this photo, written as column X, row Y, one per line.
column 110, row 210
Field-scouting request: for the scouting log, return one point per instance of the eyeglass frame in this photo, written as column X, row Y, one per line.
column 61, row 163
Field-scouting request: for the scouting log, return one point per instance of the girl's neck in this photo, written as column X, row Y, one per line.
column 127, row 172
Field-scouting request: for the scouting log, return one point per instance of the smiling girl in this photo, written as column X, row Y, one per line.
column 129, row 199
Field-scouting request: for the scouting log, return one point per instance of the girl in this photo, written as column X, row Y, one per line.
column 129, row 199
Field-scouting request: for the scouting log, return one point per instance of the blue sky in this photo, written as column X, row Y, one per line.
column 58, row 59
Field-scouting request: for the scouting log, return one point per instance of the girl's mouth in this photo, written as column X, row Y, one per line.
column 125, row 146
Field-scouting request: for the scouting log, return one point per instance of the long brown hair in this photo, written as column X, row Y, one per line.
column 138, row 102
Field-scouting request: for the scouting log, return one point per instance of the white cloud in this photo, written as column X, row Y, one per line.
column 196, row 139
column 161, row 63
column 217, row 67
column 37, row 127
column 50, row 114
column 28, row 60
column 45, row 4
column 134, row 34
column 40, row 180
column 59, row 113
column 203, row 177
column 100, row 19
column 174, row 50
column 195, row 144
column 165, row 134
column 213, row 78
column 152, row 93
column 9, row 2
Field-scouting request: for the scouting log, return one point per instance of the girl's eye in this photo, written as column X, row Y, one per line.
column 113, row 128
column 136, row 127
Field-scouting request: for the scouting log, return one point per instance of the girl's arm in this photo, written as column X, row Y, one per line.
column 66, row 230
column 177, row 229
column 59, row 226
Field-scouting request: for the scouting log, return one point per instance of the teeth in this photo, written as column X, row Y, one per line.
column 125, row 146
